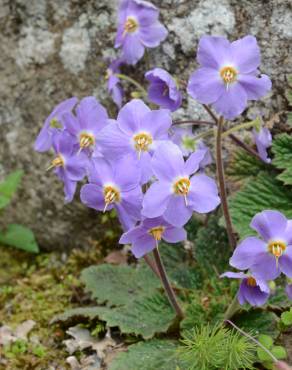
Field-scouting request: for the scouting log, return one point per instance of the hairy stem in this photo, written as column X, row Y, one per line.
column 253, row 339
column 222, row 187
column 132, row 81
column 152, row 265
column 242, row 126
column 168, row 289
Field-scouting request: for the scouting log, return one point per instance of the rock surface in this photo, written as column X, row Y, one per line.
column 52, row 49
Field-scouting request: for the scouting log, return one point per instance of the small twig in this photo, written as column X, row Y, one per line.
column 168, row 289
column 193, row 122
column 253, row 339
column 210, row 113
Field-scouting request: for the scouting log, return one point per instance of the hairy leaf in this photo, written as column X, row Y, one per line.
column 258, row 322
column 264, row 192
column 150, row 355
column 282, row 149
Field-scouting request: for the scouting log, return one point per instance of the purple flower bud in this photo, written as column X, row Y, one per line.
column 177, row 193
column 145, row 237
column 137, row 132
column 138, row 27
column 114, row 185
column 263, row 140
column 163, row 90
column 91, row 119
column 53, row 123
column 113, row 82
column 68, row 166
column 228, row 75
column 253, row 291
column 267, row 257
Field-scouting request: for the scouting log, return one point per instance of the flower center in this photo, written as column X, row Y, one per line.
column 57, row 162
column 228, row 75
column 131, row 25
column 277, row 248
column 142, row 142
column 86, row 140
column 157, row 232
column 182, row 186
column 111, row 195
column 251, row 281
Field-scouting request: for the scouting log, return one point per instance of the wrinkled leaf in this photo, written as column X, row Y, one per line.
column 282, row 149
column 151, row 355
column 19, row 236
column 286, row 317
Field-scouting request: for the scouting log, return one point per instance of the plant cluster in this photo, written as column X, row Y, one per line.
column 153, row 172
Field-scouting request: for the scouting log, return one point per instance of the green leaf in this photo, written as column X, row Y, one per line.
column 20, row 237
column 282, row 149
column 279, row 352
column 286, row 317
column 263, row 356
column 279, row 299
column 258, row 322
column 264, row 192
column 243, row 166
column 88, row 312
column 8, row 187
column 266, row 340
column 151, row 355
column 211, row 248
column 144, row 316
column 117, row 285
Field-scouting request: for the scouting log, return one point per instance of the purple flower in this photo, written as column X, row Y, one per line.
column 263, row 140
column 91, row 119
column 53, row 123
column 138, row 27
column 267, row 257
column 251, row 290
column 228, row 74
column 145, row 237
column 289, row 290
column 113, row 82
column 176, row 194
column 136, row 132
column 114, row 185
column 69, row 167
column 163, row 90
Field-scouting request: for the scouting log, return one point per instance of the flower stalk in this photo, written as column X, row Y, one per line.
column 132, row 81
column 166, row 284
column 222, row 187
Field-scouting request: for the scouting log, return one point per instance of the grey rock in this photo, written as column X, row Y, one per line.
column 51, row 50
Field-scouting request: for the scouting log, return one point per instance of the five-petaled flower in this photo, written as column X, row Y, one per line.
column 263, row 140
column 138, row 27
column 267, row 257
column 146, row 236
column 228, row 75
column 114, row 185
column 163, row 89
column 136, row 132
column 91, row 118
column 177, row 193
column 68, row 165
column 253, row 291
column 53, row 123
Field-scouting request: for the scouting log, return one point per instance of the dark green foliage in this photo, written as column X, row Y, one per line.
column 211, row 249
column 286, row 318
column 243, row 166
column 264, row 192
column 117, row 285
column 151, row 355
column 215, row 347
column 278, row 351
column 258, row 322
column 279, row 300
column 282, row 149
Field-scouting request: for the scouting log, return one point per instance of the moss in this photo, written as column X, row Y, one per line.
column 37, row 288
